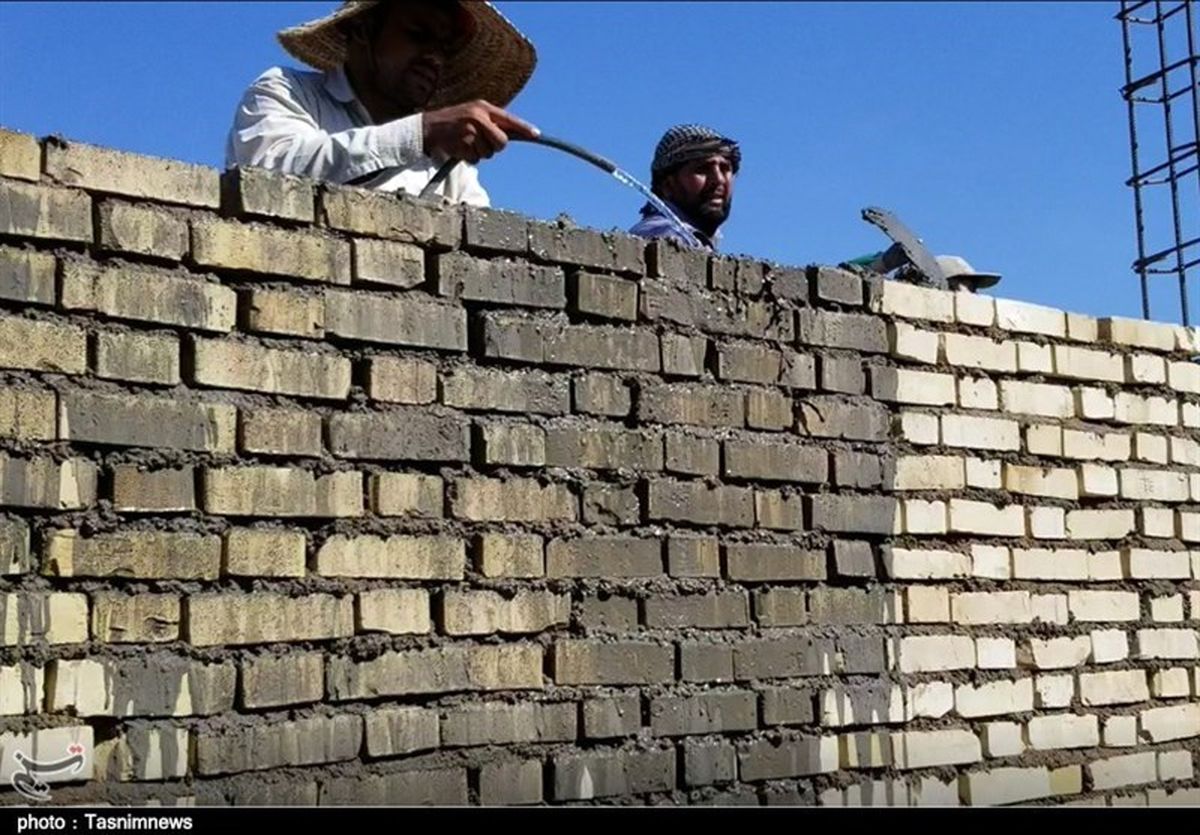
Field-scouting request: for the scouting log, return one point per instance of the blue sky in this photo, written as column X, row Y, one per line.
column 994, row 130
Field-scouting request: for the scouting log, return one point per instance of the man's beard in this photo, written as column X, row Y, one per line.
column 708, row 217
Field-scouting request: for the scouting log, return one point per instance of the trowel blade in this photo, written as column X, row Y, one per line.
column 921, row 258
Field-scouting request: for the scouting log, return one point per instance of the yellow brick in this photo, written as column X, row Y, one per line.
column 54, row 617
column 264, row 552
column 281, row 432
column 28, row 414
column 909, row 301
column 1098, row 480
column 1094, row 404
column 1083, row 328
column 413, row 557
column 240, row 365
column 991, row 607
column 125, row 227
column 483, row 499
column 139, row 554
column 1099, row 524
column 977, row 393
column 1146, row 368
column 924, row 517
column 510, row 555
column 993, row 562
column 974, row 309
column 1047, row 564
column 21, row 685
column 908, row 342
column 407, row 494
column 918, row 428
column 395, row 611
column 20, row 156
column 283, row 312
column 388, row 262
column 1154, row 485
column 1041, row 481
column 42, row 346
column 985, row 518
column 45, row 483
column 487, row 612
column 260, row 491
column 929, row 472
column 138, row 358
column 980, row 433
column 979, row 352
column 1135, row 332
column 402, row 380
column 1136, row 409
column 1184, row 376
column 983, row 473
column 266, row 617
column 927, row 604
column 135, row 618
column 1044, row 439
column 1037, row 399
column 260, row 249
column 920, row 387
column 1105, row 446
column 134, row 175
column 37, row 211
column 1148, row 447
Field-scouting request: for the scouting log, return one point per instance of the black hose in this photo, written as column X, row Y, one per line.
column 549, row 141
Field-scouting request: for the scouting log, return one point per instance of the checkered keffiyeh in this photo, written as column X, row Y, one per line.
column 684, row 143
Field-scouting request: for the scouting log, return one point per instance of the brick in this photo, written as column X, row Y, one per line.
column 1003, row 786
column 507, row 282
column 991, row 607
column 28, row 414
column 705, row 662
column 139, row 554
column 899, row 385
column 1120, row 732
column 617, row 252
column 1063, row 731
column 125, row 227
column 1104, row 605
column 612, row 717
column 1018, row 397
column 929, row 653
column 967, row 431
column 47, row 484
column 782, row 658
column 977, row 393
column 1185, row 451
column 603, row 612
column 601, row 394
column 1021, row 317
column 513, row 445
column 853, row 514
column 395, row 731
column 718, row 610
column 775, row 511
column 1184, row 376
column 1168, row 643
column 683, row 356
column 909, row 301
column 301, row 254
column 853, row 559
column 1044, row 439
column 979, row 352
column 442, row 670
column 388, row 263
column 488, row 612
column 1146, row 368
column 27, row 276
column 1140, row 563
column 835, row 285
column 133, row 175
column 1175, row 765
column 123, row 420
column 156, row 491
column 264, row 617
column 1154, row 485
column 776, row 462
column 1097, row 480
column 1156, row 521
column 617, row 774
column 141, row 618
column 913, row 343
column 399, row 435
column 42, row 346
column 752, row 363
column 604, row 449
column 870, row 704
column 603, row 295
column 691, row 404
column 924, row 604
column 390, row 216
column 921, row 749
column 269, row 491
column 394, row 611
column 283, row 312
column 974, row 309
column 1136, row 409
column 708, row 762
column 511, row 783
column 786, row 706
column 713, row 712
column 20, row 156
column 1086, row 364
column 929, row 472
column 146, row 295
column 857, row 469
column 1095, row 404
column 594, row 346
column 1035, row 359
column 273, row 681
column 923, row 517
column 509, row 555
column 843, row 375
column 319, row 739
column 281, row 432
column 488, row 499
column 1055, row 483
column 495, row 723
column 700, row 504
column 834, row 606
column 264, row 552
column 14, row 547
column 1050, row 608
column 1167, row 609
column 1109, row 645
column 854, row 331
column 1003, row 739
column 589, row 662
column 399, row 556
column 1114, row 687
column 37, row 211
column 54, row 617
column 834, row 417
column 1047, row 564
column 692, row 455
column 395, row 321
column 1127, row 770
column 406, row 494
column 693, row 556
column 444, row 787
column 257, row 192
column 1174, row 683
column 138, row 358
column 996, row 653
column 1099, row 524
column 985, row 518
column 764, row 563
column 991, row 562
column 793, row 756
column 141, row 686
column 606, row 504
column 1153, row 335
column 248, row 367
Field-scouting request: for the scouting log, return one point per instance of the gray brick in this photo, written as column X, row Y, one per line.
column 152, row 422
column 618, row 662
column 619, row 774
column 510, row 783
column 604, row 449
column 14, row 547
column 847, row 606
column 138, row 358
column 37, row 211
column 765, row 562
column 856, row 331
column 592, row 346
column 608, row 504
column 144, row 294
column 830, row 284
column 509, row 282
column 27, row 276
column 694, row 556
column 788, row 283
column 778, row 511
column 612, row 717
column 709, row 761
column 692, row 455
column 852, row 514
column 857, row 469
column 717, row 610
column 604, row 556
column 124, row 227
column 705, row 662
column 769, row 409
column 835, row 417
column 391, row 321
column 787, row 706
column 271, row 681
column 258, row 192
column 861, row 654
column 155, row 491
column 513, row 445
column 700, row 504
column 751, row 363
column 853, row 559
column 603, row 612
column 738, row 275
column 781, row 658
column 585, row 247
column 768, row 759
column 766, row 461
column 144, row 685
column 705, row 713
column 497, row 723
column 390, row 215
column 606, row 296
column 483, row 389
column 396, row 731
column 280, row 432
column 683, row 356
column 669, row 259
column 781, row 607
column 399, row 435
column 843, row 374
column 492, row 230
column 602, row 394
column 46, row 483
column 444, row 787
column 389, row 263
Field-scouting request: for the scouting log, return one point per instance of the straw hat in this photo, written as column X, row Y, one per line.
column 494, row 65
column 959, row 273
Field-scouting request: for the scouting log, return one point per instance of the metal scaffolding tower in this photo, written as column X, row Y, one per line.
column 1161, row 71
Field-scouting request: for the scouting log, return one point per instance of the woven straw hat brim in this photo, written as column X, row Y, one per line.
column 495, row 65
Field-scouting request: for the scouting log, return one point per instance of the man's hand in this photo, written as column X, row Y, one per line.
column 472, row 131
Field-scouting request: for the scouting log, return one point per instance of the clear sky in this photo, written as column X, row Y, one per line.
column 994, row 130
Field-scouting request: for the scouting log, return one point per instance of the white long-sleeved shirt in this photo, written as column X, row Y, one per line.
column 312, row 125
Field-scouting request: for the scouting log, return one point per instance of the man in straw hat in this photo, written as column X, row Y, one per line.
column 401, row 88
column 693, row 172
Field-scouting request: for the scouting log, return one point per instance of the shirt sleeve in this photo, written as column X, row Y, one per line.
column 273, row 130
column 465, row 187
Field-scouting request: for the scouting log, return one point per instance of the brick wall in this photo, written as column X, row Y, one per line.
column 311, row 495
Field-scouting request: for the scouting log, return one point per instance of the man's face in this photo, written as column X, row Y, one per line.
column 411, row 48
column 703, row 188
